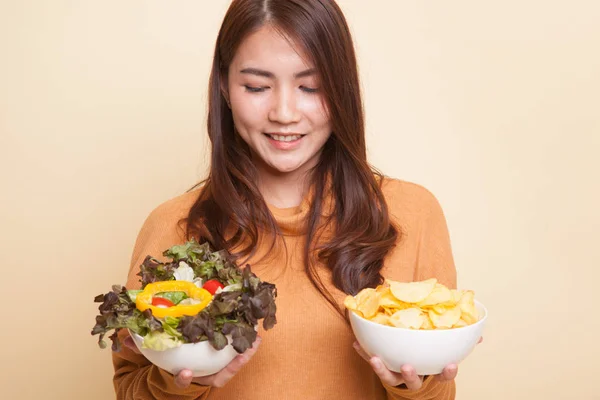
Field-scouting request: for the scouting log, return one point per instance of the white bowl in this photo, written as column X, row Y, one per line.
column 428, row 351
column 201, row 358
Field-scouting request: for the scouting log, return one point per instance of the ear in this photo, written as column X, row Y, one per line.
column 225, row 88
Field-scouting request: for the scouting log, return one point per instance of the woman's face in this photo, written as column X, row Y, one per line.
column 277, row 103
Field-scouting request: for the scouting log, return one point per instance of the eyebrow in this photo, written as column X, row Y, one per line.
column 267, row 74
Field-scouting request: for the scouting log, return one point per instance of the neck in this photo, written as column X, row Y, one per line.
column 282, row 190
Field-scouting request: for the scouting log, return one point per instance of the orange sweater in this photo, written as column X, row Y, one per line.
column 309, row 353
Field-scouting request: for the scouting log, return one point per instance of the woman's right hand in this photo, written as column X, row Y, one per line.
column 219, row 379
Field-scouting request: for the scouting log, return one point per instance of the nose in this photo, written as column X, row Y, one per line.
column 284, row 109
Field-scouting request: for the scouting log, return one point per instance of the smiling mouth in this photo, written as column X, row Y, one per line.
column 284, row 138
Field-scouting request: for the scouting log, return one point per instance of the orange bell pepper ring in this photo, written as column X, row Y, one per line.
column 143, row 300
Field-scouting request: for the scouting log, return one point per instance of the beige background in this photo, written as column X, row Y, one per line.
column 494, row 106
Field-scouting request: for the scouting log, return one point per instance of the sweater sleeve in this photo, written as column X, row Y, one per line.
column 432, row 389
column 434, row 250
column 434, row 260
column 134, row 376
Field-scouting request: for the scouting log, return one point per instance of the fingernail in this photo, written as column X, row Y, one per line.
column 376, row 363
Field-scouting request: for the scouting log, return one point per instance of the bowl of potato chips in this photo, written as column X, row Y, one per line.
column 423, row 324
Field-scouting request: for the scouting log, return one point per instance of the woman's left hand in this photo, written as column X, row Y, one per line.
column 408, row 376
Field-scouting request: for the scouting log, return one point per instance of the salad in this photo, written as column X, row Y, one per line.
column 198, row 296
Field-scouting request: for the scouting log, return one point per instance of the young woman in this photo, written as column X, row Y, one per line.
column 291, row 192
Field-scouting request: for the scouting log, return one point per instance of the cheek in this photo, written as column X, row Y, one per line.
column 316, row 111
column 248, row 113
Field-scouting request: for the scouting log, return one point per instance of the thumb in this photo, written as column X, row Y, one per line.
column 184, row 378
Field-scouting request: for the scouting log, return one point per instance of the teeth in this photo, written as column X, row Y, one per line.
column 281, row 138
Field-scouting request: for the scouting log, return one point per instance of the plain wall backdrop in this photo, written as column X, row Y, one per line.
column 493, row 106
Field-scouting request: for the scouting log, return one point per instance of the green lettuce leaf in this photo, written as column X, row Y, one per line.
column 174, row 297
column 170, row 325
column 160, row 341
column 133, row 294
column 153, row 270
column 118, row 311
column 190, row 251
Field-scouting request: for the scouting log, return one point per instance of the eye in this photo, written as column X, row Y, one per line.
column 253, row 89
column 309, row 90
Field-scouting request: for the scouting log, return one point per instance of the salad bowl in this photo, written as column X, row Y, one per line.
column 428, row 351
column 201, row 358
column 197, row 311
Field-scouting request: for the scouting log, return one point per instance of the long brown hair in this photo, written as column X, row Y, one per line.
column 231, row 212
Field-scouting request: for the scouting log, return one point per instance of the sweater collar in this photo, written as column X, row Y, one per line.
column 292, row 221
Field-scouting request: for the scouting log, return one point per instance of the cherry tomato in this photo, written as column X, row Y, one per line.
column 212, row 286
column 162, row 302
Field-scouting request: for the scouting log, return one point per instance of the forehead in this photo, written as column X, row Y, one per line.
column 270, row 49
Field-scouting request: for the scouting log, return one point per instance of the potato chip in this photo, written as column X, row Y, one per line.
column 461, row 322
column 439, row 295
column 350, row 303
column 388, row 300
column 422, row 305
column 427, row 324
column 446, row 320
column 470, row 317
column 412, row 292
column 440, row 308
column 390, row 310
column 382, row 318
column 411, row 318
column 456, row 295
column 368, row 302
column 383, row 288
column 467, row 306
column 466, row 297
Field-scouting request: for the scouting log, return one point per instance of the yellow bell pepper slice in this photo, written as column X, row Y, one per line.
column 143, row 300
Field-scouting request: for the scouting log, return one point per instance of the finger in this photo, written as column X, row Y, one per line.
column 480, row 340
column 361, row 352
column 184, row 378
column 128, row 341
column 388, row 377
column 223, row 376
column 411, row 379
column 449, row 373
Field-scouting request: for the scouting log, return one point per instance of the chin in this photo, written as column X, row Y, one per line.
column 286, row 168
